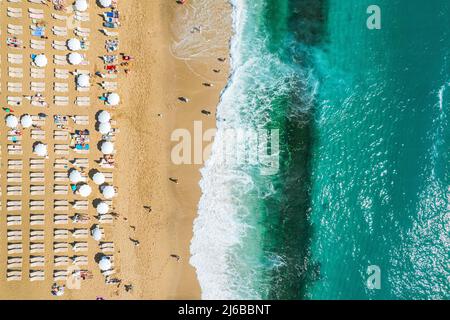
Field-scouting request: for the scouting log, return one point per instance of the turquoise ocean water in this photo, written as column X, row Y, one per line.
column 364, row 146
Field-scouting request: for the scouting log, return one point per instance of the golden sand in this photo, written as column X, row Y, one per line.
column 147, row 116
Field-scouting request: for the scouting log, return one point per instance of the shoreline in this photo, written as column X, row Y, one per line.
column 168, row 229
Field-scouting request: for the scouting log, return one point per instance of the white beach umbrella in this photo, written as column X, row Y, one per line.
column 108, row 192
column 83, row 80
column 98, row 178
column 74, row 44
column 102, row 208
column 81, row 5
column 26, row 121
column 105, row 3
column 40, row 60
column 97, row 233
column 40, row 149
column 104, row 264
column 104, row 128
column 113, row 99
column 75, row 176
column 12, row 121
column 107, row 147
column 75, row 58
column 85, row 190
column 104, row 116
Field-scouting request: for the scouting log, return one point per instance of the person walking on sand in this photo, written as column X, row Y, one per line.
column 148, row 208
column 174, row 180
column 176, row 257
column 183, row 99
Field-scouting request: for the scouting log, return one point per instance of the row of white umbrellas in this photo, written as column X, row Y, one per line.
column 13, row 122
column 40, row 149
column 74, row 58
column 82, row 5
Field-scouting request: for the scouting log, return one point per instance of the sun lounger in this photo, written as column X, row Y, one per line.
column 14, row 220
column 14, row 275
column 14, row 86
column 82, row 16
column 61, row 261
column 106, row 219
column 14, row 58
column 61, row 101
column 61, row 149
column 14, row 235
column 15, row 248
column 15, row 72
column 37, row 261
column 61, row 219
column 37, row 163
column 80, row 205
column 80, row 233
column 37, row 134
column 37, row 73
column 14, row 177
column 60, row 135
column 61, row 205
column 37, row 177
column 61, row 177
column 37, row 190
column 59, row 247
column 36, row 235
column 80, row 260
column 59, row 17
column 59, row 31
column 107, row 247
column 37, row 205
column 37, row 219
column 80, row 246
column 37, row 275
column 60, row 189
column 82, row 32
column 14, row 262
column 15, row 149
column 36, row 247
column 15, row 164
column 60, row 275
column 14, row 190
column 16, row 30
column 60, row 234
column 37, row 44
column 61, row 73
column 60, row 87
column 14, row 12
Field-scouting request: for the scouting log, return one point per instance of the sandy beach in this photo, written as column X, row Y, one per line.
column 151, row 209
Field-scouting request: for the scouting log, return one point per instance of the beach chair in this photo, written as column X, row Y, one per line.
column 59, row 247
column 14, row 177
column 37, row 235
column 37, row 44
column 61, row 149
column 37, row 190
column 59, row 31
column 61, row 261
column 14, row 275
column 61, row 101
column 60, row 234
column 61, row 205
column 15, row 72
column 37, row 164
column 15, row 248
column 15, row 87
column 14, row 235
column 15, row 164
column 82, row 16
column 80, row 261
column 59, row 17
column 37, row 86
column 37, row 73
column 83, row 101
column 14, row 190
column 60, row 189
column 14, row 58
column 37, row 177
column 61, row 219
column 14, row 12
column 37, row 219
column 107, row 247
column 61, row 73
column 14, row 262
column 80, row 233
column 37, row 134
column 59, row 45
column 37, row 261
column 81, row 163
column 81, row 205
column 13, row 220
column 60, row 275
column 16, row 30
column 37, row 205
column 60, row 135
column 60, row 87
column 80, row 246
column 37, row 275
column 36, row 247
column 15, row 149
